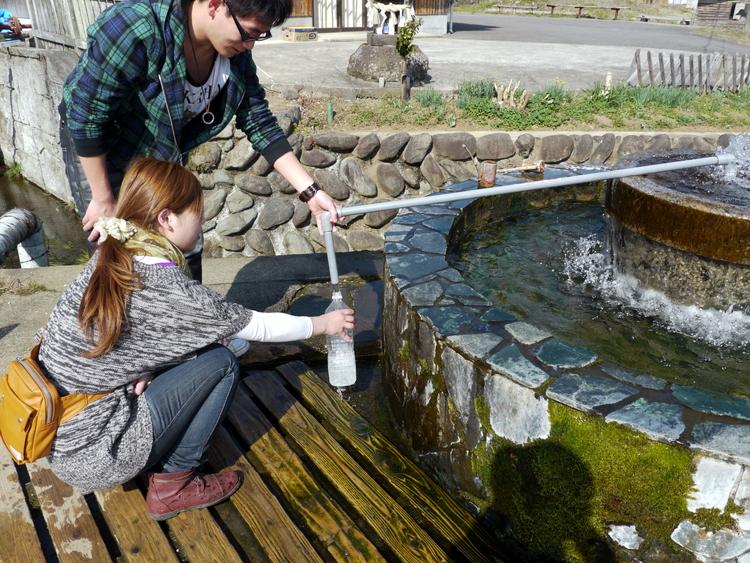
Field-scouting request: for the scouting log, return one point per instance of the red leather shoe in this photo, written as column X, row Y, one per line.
column 172, row 493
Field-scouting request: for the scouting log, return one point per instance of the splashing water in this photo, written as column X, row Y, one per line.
column 739, row 171
column 587, row 267
column 552, row 269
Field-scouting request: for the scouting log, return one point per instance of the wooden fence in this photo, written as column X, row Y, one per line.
column 430, row 7
column 59, row 24
column 714, row 71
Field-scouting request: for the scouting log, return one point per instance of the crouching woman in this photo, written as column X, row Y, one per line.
column 133, row 323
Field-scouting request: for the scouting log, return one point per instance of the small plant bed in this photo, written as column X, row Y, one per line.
column 476, row 106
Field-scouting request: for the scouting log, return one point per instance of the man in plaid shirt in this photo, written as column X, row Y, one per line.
column 160, row 77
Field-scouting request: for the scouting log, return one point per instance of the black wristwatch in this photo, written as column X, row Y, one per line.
column 308, row 193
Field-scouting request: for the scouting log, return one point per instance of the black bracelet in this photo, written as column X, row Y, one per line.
column 308, row 193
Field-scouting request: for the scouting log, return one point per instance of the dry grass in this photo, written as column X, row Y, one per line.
column 632, row 9
column 726, row 34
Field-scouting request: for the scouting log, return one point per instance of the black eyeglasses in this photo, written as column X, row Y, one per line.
column 244, row 35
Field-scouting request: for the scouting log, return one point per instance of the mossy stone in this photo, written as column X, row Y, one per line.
column 559, row 494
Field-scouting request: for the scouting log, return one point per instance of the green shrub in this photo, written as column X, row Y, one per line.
column 405, row 36
column 478, row 108
column 671, row 97
column 429, row 98
column 683, row 119
column 640, row 97
column 483, row 88
column 554, row 94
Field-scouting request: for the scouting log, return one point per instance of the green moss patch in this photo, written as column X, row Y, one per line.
column 424, row 369
column 483, row 412
column 713, row 519
column 404, row 352
column 452, row 408
column 559, row 494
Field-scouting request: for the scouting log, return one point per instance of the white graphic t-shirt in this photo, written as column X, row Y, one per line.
column 197, row 98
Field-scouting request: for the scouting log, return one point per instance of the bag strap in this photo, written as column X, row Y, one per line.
column 71, row 404
column 76, row 402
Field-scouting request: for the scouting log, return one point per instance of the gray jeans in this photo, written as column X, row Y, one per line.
column 187, row 403
column 81, row 191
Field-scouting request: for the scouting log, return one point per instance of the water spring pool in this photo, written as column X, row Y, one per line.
column 551, row 267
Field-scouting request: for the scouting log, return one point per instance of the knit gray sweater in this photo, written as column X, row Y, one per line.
column 171, row 318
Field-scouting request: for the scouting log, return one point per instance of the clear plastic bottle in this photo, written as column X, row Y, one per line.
column 342, row 369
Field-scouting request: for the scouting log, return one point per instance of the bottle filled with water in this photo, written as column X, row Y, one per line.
column 342, row 369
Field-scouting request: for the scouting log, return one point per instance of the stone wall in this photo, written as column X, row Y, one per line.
column 31, row 83
column 250, row 209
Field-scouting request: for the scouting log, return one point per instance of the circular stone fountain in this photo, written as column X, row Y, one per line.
column 686, row 234
column 541, row 424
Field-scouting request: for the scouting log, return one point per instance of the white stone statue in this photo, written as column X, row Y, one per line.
column 380, row 14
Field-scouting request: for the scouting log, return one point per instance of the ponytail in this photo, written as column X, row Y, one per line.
column 103, row 308
column 149, row 186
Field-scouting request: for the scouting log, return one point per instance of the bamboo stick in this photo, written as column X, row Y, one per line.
column 638, row 66
column 661, row 69
column 671, row 69
column 650, row 68
column 723, row 73
column 682, row 70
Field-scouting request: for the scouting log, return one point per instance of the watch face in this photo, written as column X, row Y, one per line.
column 308, row 193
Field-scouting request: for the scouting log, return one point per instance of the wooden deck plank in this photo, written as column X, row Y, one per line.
column 71, row 526
column 387, row 518
column 138, row 536
column 418, row 492
column 199, row 537
column 323, row 518
column 279, row 537
column 15, row 518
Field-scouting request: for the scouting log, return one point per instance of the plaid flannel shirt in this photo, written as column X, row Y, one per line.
column 125, row 96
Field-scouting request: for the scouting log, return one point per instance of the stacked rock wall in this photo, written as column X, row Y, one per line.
column 251, row 209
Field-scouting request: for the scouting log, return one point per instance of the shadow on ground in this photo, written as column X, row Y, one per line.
column 542, row 508
column 462, row 26
column 6, row 330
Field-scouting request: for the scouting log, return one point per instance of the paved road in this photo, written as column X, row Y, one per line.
column 572, row 31
column 536, row 51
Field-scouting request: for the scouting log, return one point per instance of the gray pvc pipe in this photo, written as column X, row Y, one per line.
column 500, row 190
column 537, row 185
column 21, row 229
column 330, row 251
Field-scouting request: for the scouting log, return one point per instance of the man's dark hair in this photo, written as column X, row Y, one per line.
column 273, row 12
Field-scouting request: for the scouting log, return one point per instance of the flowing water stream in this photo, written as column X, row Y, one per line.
column 551, row 268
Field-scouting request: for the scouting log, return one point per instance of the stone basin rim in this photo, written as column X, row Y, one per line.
column 409, row 221
column 694, row 223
